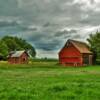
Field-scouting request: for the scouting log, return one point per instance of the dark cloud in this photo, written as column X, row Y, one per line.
column 92, row 1
column 49, row 46
column 27, row 28
column 8, row 23
column 65, row 32
column 49, row 23
column 46, row 24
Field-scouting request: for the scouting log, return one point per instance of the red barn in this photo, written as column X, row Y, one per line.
column 18, row 57
column 75, row 53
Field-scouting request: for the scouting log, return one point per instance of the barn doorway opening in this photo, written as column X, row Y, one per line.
column 86, row 60
column 24, row 60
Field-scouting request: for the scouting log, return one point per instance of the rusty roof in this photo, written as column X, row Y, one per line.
column 81, row 46
column 16, row 53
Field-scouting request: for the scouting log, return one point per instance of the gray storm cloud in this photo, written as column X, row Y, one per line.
column 47, row 24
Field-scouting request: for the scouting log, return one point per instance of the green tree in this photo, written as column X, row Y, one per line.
column 9, row 43
column 94, row 42
column 3, row 50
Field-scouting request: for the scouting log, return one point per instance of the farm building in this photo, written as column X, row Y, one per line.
column 18, row 57
column 75, row 53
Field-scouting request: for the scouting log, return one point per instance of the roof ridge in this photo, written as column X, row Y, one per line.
column 81, row 46
column 17, row 53
column 77, row 41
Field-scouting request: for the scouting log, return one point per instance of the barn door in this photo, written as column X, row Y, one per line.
column 86, row 60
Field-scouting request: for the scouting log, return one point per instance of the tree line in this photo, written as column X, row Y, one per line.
column 94, row 44
column 9, row 43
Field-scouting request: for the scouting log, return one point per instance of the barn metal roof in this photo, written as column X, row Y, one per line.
column 17, row 53
column 81, row 46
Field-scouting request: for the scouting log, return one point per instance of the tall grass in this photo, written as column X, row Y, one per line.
column 48, row 81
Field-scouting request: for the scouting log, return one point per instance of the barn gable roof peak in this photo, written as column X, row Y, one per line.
column 81, row 46
column 16, row 53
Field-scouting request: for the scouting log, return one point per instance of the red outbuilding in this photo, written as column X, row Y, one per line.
column 75, row 53
column 18, row 57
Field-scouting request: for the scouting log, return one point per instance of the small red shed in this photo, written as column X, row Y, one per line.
column 18, row 57
column 75, row 53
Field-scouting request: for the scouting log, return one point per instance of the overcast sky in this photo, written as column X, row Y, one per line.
column 47, row 24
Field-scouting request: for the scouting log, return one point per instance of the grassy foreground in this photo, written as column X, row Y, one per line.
column 48, row 81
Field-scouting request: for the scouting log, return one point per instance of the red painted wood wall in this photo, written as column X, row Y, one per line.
column 70, row 56
column 19, row 60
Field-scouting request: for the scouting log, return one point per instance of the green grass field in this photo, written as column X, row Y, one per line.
column 46, row 80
